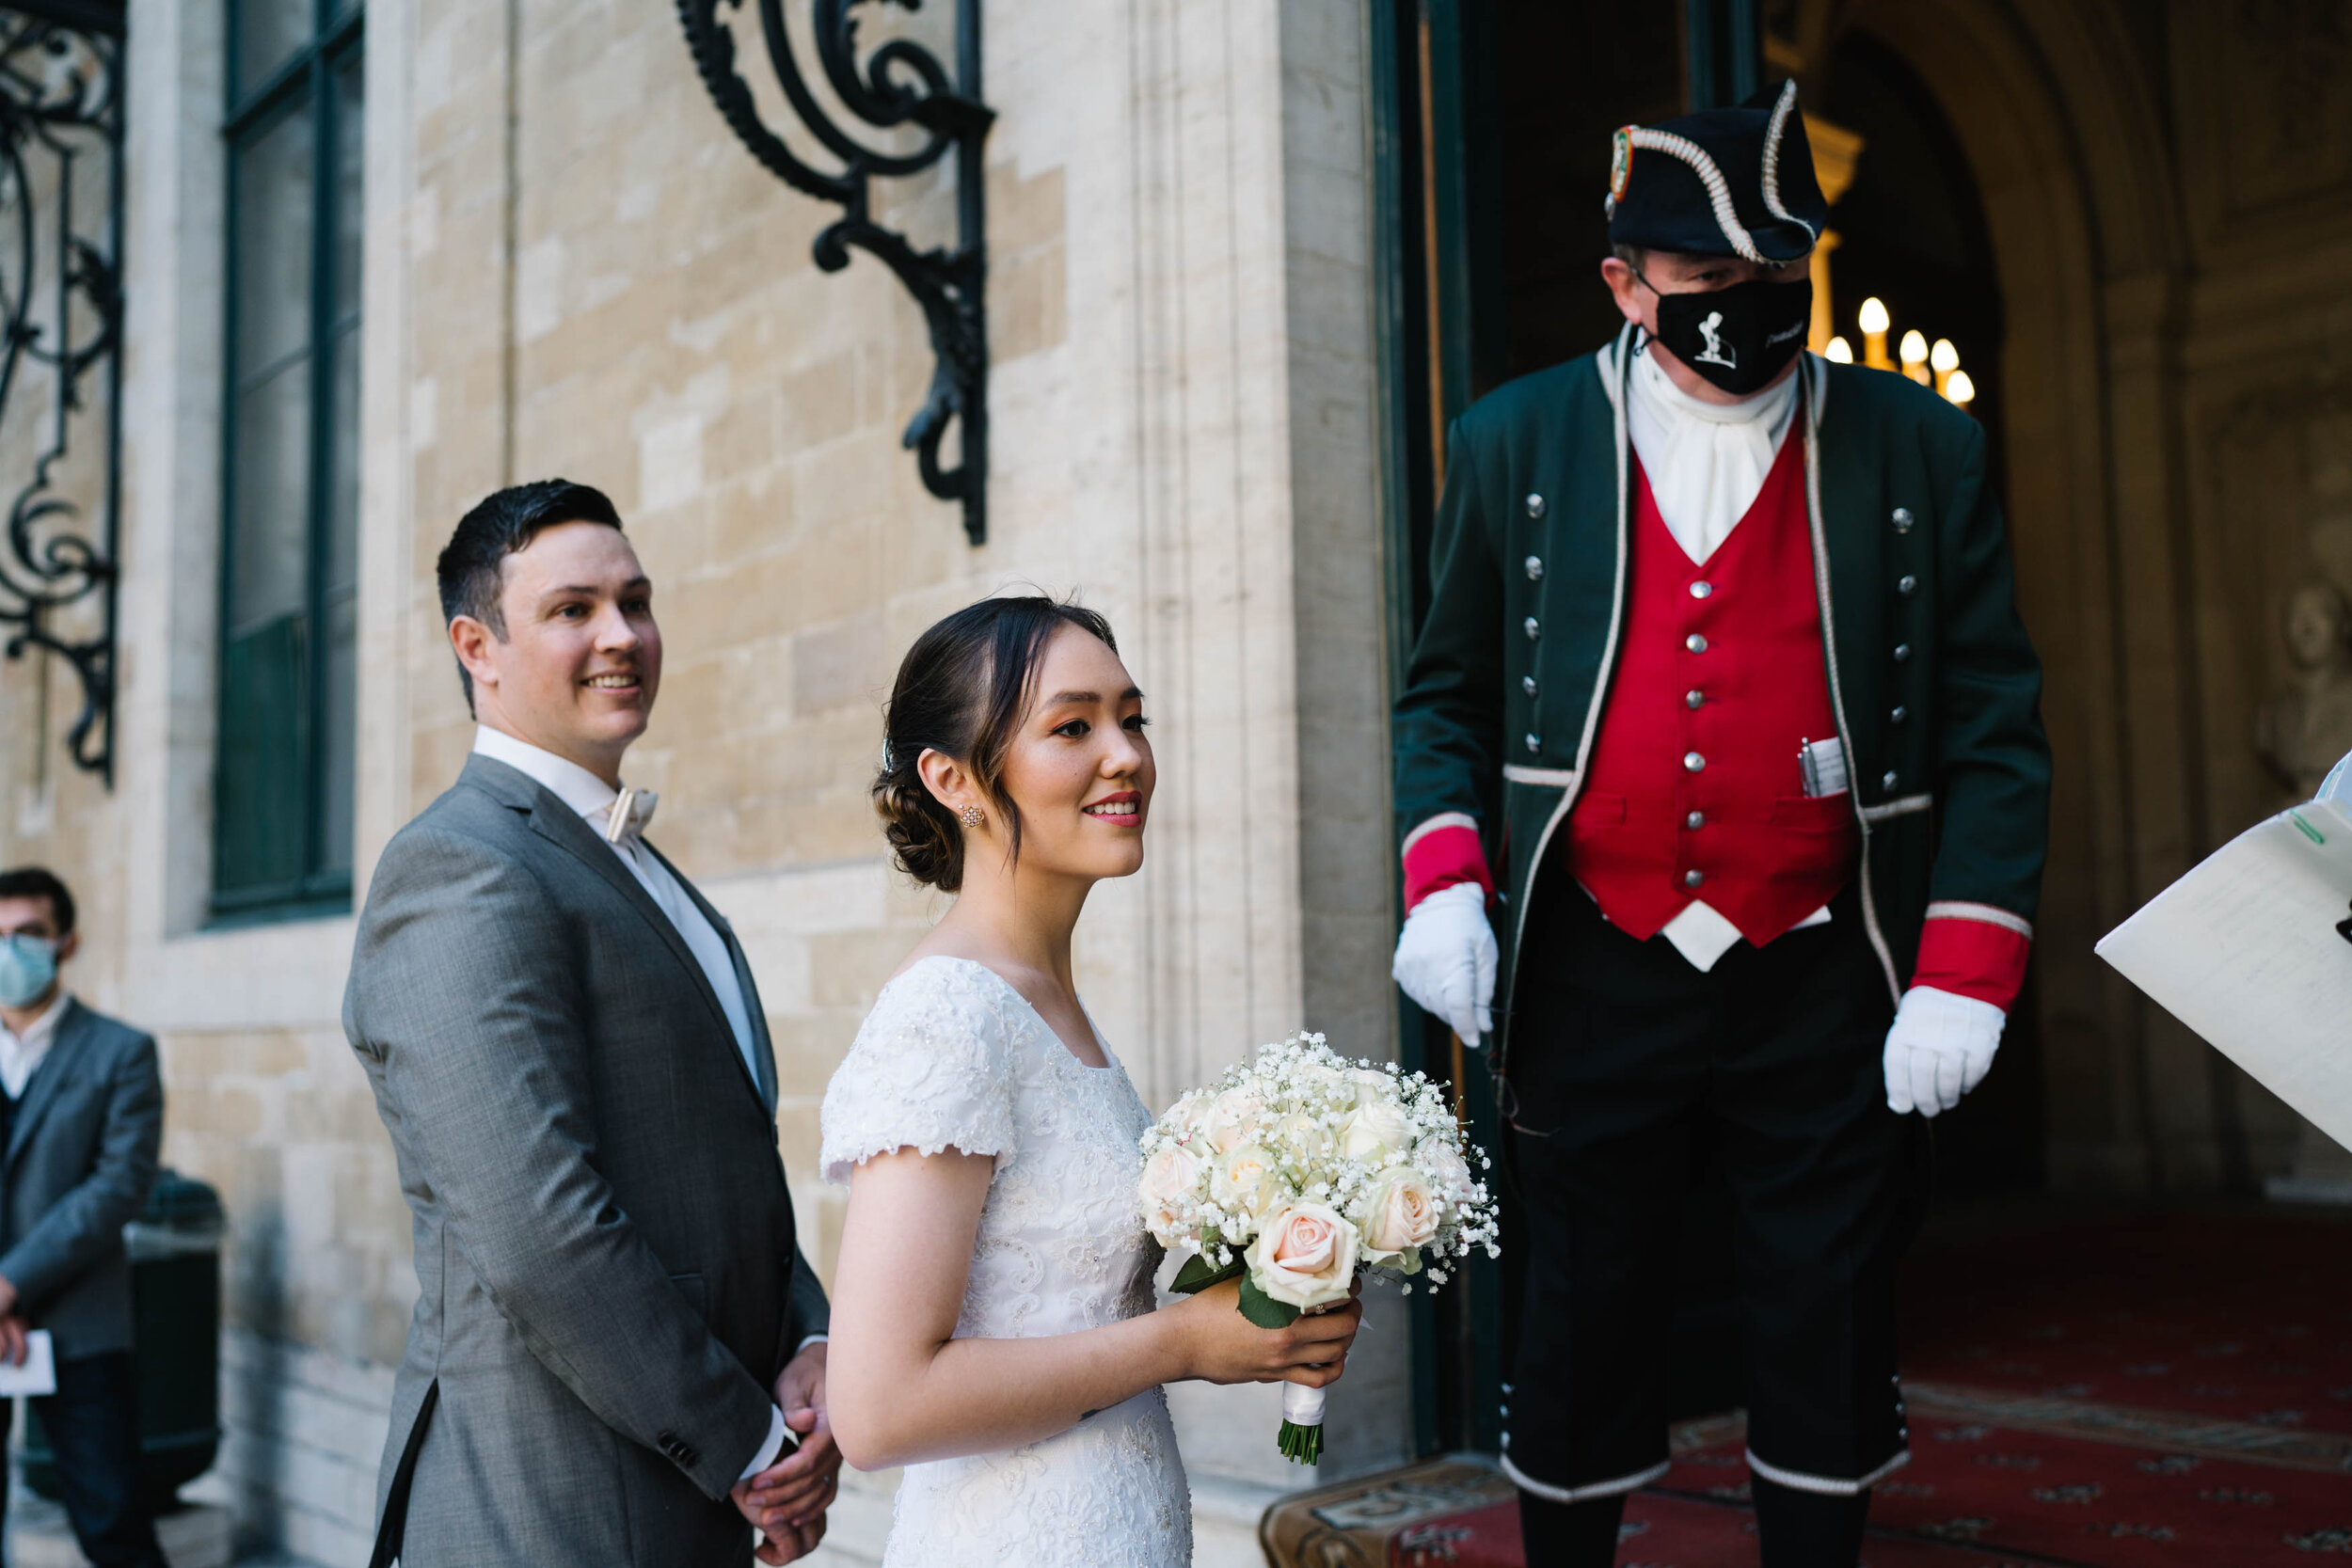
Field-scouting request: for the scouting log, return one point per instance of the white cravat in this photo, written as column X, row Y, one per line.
column 1706, row 462
column 593, row 798
column 21, row 1053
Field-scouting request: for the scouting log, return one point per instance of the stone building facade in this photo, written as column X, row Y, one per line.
column 571, row 266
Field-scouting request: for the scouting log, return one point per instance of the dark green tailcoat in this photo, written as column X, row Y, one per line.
column 1935, row 686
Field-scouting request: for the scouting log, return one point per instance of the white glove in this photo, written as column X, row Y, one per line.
column 1940, row 1048
column 1446, row 958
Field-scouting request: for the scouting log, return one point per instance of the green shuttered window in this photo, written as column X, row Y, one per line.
column 283, row 812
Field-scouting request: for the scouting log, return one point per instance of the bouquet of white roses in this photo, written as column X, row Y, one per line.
column 1297, row 1170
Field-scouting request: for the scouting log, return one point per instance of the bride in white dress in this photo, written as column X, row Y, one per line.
column 993, row 1321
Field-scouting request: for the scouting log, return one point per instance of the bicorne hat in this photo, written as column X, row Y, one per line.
column 1719, row 183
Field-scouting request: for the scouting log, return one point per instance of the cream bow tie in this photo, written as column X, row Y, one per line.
column 632, row 809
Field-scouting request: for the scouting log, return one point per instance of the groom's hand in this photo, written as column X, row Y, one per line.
column 787, row 1500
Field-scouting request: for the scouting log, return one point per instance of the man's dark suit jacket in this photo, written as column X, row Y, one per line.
column 604, row 1244
column 80, row 1159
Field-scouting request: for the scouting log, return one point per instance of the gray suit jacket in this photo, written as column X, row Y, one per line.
column 604, row 1245
column 80, row 1160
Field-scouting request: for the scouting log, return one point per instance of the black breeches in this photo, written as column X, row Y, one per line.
column 1623, row 1059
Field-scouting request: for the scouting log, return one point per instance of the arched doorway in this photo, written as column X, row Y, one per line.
column 2031, row 188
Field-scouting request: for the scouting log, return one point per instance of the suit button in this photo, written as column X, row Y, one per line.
column 1534, row 743
column 1692, row 878
column 1534, row 628
column 1695, row 699
column 1899, row 714
column 1696, row 644
column 1527, row 683
column 1534, row 505
column 1692, row 762
column 1902, row 520
column 1906, row 585
column 1700, row 589
column 1902, row 652
column 1534, row 569
column 1889, row 780
column 1697, row 821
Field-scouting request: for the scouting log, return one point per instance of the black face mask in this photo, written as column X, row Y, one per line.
column 1738, row 337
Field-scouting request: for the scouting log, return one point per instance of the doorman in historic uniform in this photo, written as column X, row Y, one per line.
column 1724, row 722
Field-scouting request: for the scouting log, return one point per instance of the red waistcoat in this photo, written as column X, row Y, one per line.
column 1694, row 789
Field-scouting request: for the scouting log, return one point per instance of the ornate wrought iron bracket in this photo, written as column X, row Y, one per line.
column 61, row 328
column 900, row 85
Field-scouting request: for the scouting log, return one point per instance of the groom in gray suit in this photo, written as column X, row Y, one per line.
column 617, row 1355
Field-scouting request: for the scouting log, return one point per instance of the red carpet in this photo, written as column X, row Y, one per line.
column 2163, row 1390
column 2047, row 1499
column 2244, row 1316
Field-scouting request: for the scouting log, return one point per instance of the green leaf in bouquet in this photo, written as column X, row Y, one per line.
column 1264, row 1310
column 1199, row 1274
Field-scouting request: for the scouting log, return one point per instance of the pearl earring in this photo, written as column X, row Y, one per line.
column 973, row 816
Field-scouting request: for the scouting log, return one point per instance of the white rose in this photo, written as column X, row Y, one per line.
column 1316, row 1079
column 1446, row 1168
column 1233, row 1119
column 1372, row 1131
column 1307, row 1140
column 1170, row 1184
column 1243, row 1181
column 1372, row 1085
column 1305, row 1256
column 1400, row 1218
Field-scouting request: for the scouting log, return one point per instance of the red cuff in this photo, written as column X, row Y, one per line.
column 1443, row 851
column 1974, row 950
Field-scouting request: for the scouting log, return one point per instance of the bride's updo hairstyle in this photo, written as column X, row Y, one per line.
column 961, row 691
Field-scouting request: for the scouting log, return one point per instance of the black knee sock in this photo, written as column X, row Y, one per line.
column 1570, row 1535
column 1805, row 1529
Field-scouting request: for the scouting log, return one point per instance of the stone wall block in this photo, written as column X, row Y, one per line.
column 840, row 665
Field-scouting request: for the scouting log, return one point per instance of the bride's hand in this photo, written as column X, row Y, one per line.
column 1220, row 1345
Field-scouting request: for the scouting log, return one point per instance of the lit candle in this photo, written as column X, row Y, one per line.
column 1874, row 321
column 1944, row 360
column 1914, row 351
column 1958, row 387
column 1839, row 352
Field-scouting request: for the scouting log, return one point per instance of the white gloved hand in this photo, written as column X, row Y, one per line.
column 1940, row 1048
column 1446, row 958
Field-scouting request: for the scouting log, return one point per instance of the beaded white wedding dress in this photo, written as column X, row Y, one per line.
column 952, row 1054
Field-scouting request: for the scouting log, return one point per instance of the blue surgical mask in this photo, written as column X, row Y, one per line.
column 28, row 967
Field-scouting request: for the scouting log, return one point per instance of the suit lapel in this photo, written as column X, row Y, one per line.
column 569, row 832
column 55, row 1069
column 564, row 828
column 763, row 1049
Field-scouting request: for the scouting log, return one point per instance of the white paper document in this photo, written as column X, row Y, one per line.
column 2246, row 950
column 37, row 1377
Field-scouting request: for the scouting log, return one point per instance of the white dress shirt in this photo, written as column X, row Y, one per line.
column 590, row 795
column 21, row 1053
column 1705, row 463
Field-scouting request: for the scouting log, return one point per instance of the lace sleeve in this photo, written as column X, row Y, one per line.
column 929, row 1068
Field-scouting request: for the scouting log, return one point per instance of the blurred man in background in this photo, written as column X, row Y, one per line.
column 81, row 1122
